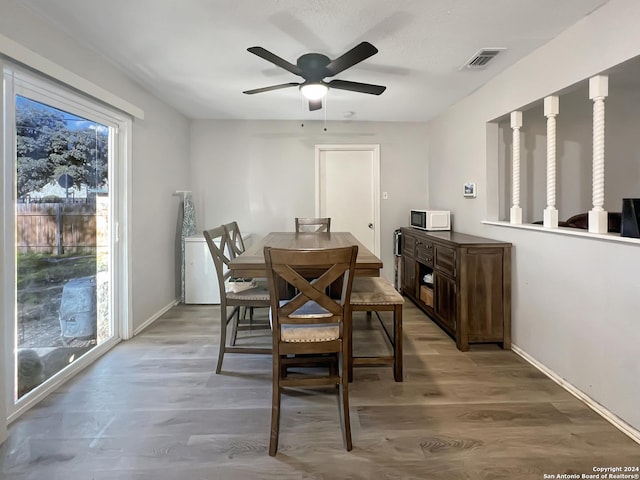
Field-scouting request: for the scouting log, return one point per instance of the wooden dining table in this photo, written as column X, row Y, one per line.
column 251, row 262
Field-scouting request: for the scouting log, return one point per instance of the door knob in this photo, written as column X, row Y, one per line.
column 371, row 226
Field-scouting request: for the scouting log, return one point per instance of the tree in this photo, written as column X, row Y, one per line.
column 47, row 147
column 34, row 127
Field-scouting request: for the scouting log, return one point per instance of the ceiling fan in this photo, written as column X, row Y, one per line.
column 315, row 67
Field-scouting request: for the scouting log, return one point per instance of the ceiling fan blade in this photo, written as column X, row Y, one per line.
column 357, row 87
column 357, row 54
column 276, row 60
column 272, row 87
column 315, row 104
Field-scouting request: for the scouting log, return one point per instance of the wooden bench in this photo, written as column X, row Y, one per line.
column 375, row 294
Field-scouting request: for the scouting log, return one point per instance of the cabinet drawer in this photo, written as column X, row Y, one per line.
column 445, row 260
column 424, row 254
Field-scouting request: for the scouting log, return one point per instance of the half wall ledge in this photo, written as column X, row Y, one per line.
column 607, row 237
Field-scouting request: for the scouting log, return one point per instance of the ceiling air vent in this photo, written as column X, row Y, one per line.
column 481, row 58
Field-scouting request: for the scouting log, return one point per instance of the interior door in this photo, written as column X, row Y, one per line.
column 348, row 190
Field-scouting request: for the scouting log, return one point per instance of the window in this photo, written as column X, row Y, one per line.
column 64, row 237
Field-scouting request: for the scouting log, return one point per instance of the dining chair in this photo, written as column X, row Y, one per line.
column 315, row 225
column 311, row 327
column 257, row 296
column 236, row 247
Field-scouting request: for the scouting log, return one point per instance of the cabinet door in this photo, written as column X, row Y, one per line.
column 409, row 275
column 408, row 244
column 482, row 294
column 445, row 299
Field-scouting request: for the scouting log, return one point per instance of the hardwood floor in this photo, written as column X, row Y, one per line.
column 152, row 409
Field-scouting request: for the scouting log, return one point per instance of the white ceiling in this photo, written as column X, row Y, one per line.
column 192, row 53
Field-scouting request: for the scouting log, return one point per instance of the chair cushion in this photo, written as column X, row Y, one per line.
column 237, row 285
column 374, row 291
column 259, row 293
column 320, row 332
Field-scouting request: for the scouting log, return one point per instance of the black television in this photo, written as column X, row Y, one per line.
column 630, row 222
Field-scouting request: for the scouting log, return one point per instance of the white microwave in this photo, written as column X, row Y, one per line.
column 430, row 219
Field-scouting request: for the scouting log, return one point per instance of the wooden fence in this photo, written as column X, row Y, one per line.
column 58, row 228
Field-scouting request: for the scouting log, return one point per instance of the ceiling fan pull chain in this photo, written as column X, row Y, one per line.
column 326, row 106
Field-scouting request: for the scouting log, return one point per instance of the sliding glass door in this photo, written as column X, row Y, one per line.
column 66, row 258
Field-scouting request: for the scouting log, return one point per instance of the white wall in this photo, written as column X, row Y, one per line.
column 262, row 173
column 160, row 159
column 574, row 299
column 160, row 155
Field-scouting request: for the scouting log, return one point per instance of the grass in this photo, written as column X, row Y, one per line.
column 38, row 270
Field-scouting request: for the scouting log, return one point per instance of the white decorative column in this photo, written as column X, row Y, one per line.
column 598, row 90
column 551, row 109
column 516, row 210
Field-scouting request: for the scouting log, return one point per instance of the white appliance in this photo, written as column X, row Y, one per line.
column 430, row 219
column 200, row 278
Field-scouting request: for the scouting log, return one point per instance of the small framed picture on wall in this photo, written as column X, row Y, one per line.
column 469, row 190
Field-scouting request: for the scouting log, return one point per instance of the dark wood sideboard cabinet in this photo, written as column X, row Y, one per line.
column 462, row 282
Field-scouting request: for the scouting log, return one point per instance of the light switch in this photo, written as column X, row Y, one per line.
column 385, row 196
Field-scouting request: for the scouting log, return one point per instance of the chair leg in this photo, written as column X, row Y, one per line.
column 275, row 406
column 223, row 337
column 234, row 327
column 397, row 343
column 223, row 334
column 344, row 403
column 236, row 323
column 334, row 369
column 348, row 337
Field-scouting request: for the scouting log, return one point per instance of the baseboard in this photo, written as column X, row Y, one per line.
column 609, row 416
column 155, row 316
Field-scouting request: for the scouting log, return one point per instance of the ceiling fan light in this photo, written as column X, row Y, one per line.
column 314, row 91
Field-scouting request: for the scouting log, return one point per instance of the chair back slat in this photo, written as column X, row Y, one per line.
column 234, row 238
column 315, row 290
column 218, row 243
column 315, row 275
column 314, row 225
